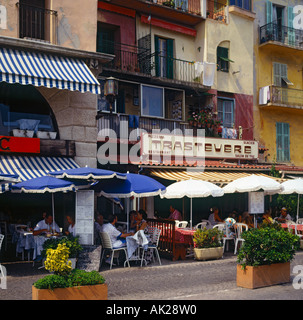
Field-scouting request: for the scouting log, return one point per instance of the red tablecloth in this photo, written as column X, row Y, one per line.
column 184, row 235
column 299, row 226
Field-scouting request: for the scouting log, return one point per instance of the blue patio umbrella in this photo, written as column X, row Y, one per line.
column 7, row 177
column 135, row 185
column 44, row 184
column 86, row 173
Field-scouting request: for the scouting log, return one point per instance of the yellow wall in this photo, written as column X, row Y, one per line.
column 237, row 35
column 265, row 117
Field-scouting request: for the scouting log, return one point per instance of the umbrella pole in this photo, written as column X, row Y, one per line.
column 298, row 204
column 191, row 213
column 53, row 209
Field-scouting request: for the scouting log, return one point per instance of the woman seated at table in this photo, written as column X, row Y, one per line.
column 71, row 226
column 141, row 221
column 247, row 219
column 46, row 225
column 214, row 216
column 267, row 217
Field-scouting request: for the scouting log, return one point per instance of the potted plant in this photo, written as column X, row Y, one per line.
column 264, row 258
column 207, row 244
column 70, row 241
column 169, row 3
column 65, row 283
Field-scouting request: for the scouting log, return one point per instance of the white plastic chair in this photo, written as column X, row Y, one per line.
column 226, row 237
column 1, row 240
column 208, row 224
column 300, row 221
column 107, row 246
column 239, row 229
column 154, row 242
column 181, row 224
column 201, row 225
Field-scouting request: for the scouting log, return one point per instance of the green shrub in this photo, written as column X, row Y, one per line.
column 267, row 245
column 207, row 238
column 71, row 242
column 74, row 279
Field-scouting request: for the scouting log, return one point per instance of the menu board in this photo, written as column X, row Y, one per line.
column 85, row 216
column 256, row 202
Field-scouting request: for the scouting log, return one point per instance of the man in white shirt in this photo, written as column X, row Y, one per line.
column 114, row 233
column 284, row 216
column 46, row 225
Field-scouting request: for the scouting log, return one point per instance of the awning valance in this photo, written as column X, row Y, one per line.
column 40, row 69
column 32, row 167
column 218, row 177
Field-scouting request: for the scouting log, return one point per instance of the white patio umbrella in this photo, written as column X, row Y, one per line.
column 192, row 189
column 254, row 183
column 293, row 186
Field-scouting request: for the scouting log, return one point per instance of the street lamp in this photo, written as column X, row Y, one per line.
column 111, row 91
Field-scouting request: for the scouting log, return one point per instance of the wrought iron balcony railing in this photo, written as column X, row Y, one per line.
column 285, row 35
column 140, row 60
column 188, row 6
column 287, row 97
column 37, row 23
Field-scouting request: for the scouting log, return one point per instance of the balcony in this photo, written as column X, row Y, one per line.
column 216, row 11
column 38, row 24
column 140, row 61
column 186, row 11
column 282, row 35
column 122, row 126
column 284, row 97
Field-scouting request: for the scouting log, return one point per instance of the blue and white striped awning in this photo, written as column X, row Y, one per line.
column 32, row 167
column 40, row 69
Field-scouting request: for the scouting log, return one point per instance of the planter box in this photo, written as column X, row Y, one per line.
column 95, row 292
column 46, row 135
column 263, row 276
column 208, row 253
column 23, row 133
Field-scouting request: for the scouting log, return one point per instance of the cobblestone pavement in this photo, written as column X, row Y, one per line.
column 179, row 280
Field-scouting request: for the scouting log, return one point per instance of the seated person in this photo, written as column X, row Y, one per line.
column 141, row 221
column 174, row 214
column 284, row 216
column 267, row 217
column 114, row 234
column 97, row 228
column 46, row 225
column 214, row 217
column 132, row 220
column 247, row 219
column 71, row 226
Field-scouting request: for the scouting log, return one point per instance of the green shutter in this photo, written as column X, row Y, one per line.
column 291, row 31
column 282, row 141
column 268, row 11
column 170, row 58
column 157, row 56
column 222, row 59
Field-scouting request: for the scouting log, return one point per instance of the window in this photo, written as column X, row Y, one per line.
column 152, row 101
column 106, row 38
column 244, row 4
column 226, row 112
column 164, row 53
column 282, row 141
column 280, row 75
column 22, row 107
column 222, row 59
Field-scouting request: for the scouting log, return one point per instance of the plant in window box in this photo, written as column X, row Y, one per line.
column 264, row 258
column 65, row 283
column 169, row 3
column 207, row 244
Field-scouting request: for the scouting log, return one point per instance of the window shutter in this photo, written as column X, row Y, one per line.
column 170, row 56
column 277, row 74
column 157, row 56
column 282, row 141
column 291, row 31
column 268, row 11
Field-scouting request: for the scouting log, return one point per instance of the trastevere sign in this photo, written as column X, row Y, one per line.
column 197, row 147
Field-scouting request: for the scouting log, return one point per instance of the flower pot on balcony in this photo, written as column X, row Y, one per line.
column 208, row 253
column 23, row 133
column 263, row 276
column 94, row 292
column 46, row 135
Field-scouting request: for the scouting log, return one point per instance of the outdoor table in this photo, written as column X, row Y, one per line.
column 292, row 226
column 184, row 240
column 38, row 247
column 25, row 241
